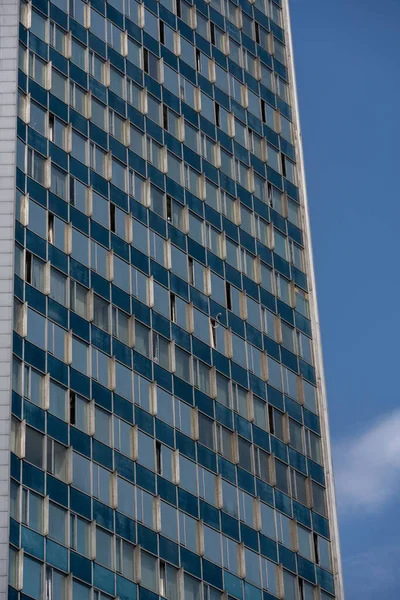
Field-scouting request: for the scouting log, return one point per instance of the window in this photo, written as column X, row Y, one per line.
column 34, row 386
column 37, row 69
column 268, row 526
column 212, row 545
column 223, row 390
column 13, row 567
column 245, row 454
column 114, row 36
column 34, row 447
column 225, row 442
column 305, row 542
column 81, row 473
column 78, row 54
column 36, row 328
column 104, row 548
column 281, row 473
column 57, row 38
column 134, row 94
column 126, row 497
column 57, row 523
column 188, row 531
column 183, row 417
column 154, row 153
column 168, row 581
column 101, row 313
column 32, row 510
column 77, row 98
column 134, row 53
column 283, row 524
column 293, row 213
column 319, row 501
column 299, row 487
column 149, row 571
column 58, row 182
column 37, row 118
column 142, row 339
column 290, row 586
column 57, row 400
column 102, row 425
column 122, row 436
column 96, row 66
column 59, row 85
column 79, row 147
column 160, row 350
column 36, row 166
column 78, row 299
column 262, row 464
column 288, row 337
column 296, row 435
column 57, row 459
column 151, row 65
column 145, row 508
column 33, row 574
column 188, row 475
column 101, row 483
column 169, row 521
column 313, row 445
column 206, row 431
column 240, row 400
column 125, row 558
column 182, row 364
column 56, row 584
column 38, row 25
column 34, row 270
column 201, row 376
column 80, row 535
column 121, row 325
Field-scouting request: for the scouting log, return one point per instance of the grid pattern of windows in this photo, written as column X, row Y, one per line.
column 165, row 433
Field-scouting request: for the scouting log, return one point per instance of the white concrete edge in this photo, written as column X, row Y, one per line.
column 9, row 41
column 322, row 397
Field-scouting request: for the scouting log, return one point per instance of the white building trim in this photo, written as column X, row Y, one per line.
column 322, row 397
column 9, row 26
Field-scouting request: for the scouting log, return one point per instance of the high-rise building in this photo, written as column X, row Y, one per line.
column 163, row 415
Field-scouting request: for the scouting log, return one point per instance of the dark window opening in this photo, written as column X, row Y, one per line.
column 50, row 228
column 217, row 115
column 112, row 217
column 165, row 117
column 212, row 32
column 158, row 458
column 263, row 114
column 172, row 308
column 271, row 419
column 72, row 408
column 228, row 296
column 28, row 267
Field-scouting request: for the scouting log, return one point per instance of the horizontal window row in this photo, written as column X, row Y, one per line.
column 228, row 113
column 72, row 350
column 42, row 515
column 116, row 432
column 35, row 578
column 113, row 269
column 81, row 413
column 157, row 29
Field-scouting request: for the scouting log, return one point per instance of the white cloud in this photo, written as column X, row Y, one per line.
column 367, row 468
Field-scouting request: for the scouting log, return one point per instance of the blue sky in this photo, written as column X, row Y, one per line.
column 347, row 54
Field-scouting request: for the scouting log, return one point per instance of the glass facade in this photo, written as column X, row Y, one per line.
column 167, row 429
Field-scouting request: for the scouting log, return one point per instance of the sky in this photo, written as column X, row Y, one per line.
column 347, row 67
